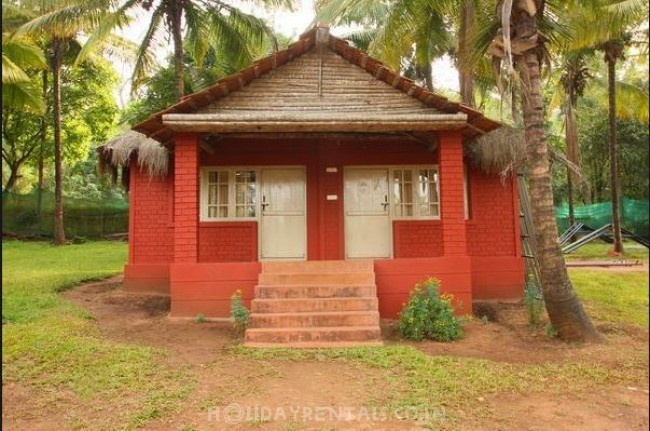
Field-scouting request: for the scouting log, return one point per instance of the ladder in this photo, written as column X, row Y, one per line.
column 528, row 241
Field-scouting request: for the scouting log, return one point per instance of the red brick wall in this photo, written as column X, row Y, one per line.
column 228, row 242
column 491, row 228
column 452, row 209
column 152, row 230
column 421, row 238
column 186, row 198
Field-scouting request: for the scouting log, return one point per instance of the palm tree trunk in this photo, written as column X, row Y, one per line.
column 613, row 159
column 562, row 304
column 573, row 156
column 57, row 56
column 465, row 78
column 176, row 15
column 41, row 151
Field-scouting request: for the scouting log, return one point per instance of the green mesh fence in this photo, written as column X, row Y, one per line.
column 81, row 217
column 634, row 215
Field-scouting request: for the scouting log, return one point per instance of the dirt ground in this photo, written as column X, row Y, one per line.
column 222, row 379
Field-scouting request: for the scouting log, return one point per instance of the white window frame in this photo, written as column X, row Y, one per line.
column 231, row 170
column 416, row 208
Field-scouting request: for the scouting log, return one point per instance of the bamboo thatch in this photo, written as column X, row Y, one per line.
column 503, row 151
column 116, row 155
column 499, row 151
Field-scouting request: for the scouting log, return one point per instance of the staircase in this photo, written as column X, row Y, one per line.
column 315, row 304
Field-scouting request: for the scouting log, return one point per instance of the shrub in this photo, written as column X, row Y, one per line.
column 534, row 304
column 238, row 313
column 429, row 315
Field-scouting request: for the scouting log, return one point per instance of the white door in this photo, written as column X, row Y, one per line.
column 367, row 221
column 283, row 228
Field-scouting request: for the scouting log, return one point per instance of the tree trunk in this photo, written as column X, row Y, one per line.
column 572, row 214
column 562, row 304
column 177, row 13
column 573, row 156
column 57, row 55
column 613, row 159
column 11, row 181
column 41, row 155
column 465, row 78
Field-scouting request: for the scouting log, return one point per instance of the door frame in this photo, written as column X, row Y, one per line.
column 260, row 170
column 388, row 169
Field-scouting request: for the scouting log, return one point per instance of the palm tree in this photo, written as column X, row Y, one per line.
column 607, row 27
column 60, row 23
column 209, row 24
column 519, row 28
column 407, row 35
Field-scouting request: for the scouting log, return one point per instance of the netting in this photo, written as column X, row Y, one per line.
column 634, row 215
column 81, row 217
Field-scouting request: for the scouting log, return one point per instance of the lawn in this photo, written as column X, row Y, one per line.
column 110, row 365
column 54, row 347
column 616, row 297
column 597, row 250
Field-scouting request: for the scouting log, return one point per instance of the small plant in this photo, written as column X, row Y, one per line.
column 551, row 332
column 534, row 304
column 238, row 313
column 200, row 318
column 429, row 315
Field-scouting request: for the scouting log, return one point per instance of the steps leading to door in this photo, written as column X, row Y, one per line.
column 315, row 304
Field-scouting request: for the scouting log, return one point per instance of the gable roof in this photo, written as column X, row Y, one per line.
column 319, row 83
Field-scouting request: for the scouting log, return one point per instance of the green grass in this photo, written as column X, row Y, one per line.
column 419, row 380
column 53, row 347
column 597, row 250
column 616, row 297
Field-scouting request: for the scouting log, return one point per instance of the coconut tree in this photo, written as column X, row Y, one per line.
column 519, row 46
column 407, row 35
column 59, row 24
column 201, row 24
column 607, row 26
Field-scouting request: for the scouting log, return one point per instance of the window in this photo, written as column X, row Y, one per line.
column 228, row 194
column 416, row 192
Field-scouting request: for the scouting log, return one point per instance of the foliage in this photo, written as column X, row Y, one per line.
column 428, row 315
column 89, row 114
column 534, row 304
column 85, row 216
column 633, row 155
column 239, row 314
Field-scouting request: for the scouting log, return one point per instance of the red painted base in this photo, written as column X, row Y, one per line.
column 147, row 278
column 206, row 288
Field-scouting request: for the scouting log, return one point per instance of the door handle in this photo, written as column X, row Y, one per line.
column 385, row 202
column 264, row 203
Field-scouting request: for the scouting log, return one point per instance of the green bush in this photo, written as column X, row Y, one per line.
column 429, row 315
column 238, row 313
column 534, row 304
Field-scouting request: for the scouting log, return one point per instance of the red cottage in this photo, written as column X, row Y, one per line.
column 325, row 186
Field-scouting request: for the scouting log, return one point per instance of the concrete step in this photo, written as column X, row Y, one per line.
column 314, row 319
column 308, row 335
column 290, row 305
column 319, row 266
column 285, row 278
column 314, row 291
column 315, row 344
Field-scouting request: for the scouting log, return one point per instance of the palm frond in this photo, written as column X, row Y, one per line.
column 143, row 64
column 23, row 95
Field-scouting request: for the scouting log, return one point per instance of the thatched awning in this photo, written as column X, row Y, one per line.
column 498, row 152
column 503, row 151
column 117, row 153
